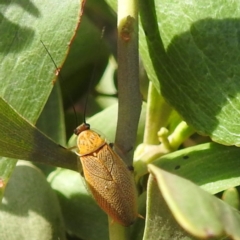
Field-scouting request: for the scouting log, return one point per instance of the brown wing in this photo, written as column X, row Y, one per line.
column 111, row 184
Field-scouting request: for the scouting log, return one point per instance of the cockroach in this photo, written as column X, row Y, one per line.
column 108, row 178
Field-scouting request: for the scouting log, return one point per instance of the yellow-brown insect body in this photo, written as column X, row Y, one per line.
column 108, row 177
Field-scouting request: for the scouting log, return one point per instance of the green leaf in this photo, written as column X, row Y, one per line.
column 198, row 212
column 7, row 165
column 213, row 166
column 30, row 209
column 231, row 196
column 83, row 65
column 27, row 72
column 51, row 120
column 193, row 54
column 112, row 4
column 21, row 140
column 26, row 69
column 81, row 214
column 137, row 229
column 160, row 223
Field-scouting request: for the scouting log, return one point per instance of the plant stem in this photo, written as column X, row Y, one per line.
column 116, row 231
column 129, row 97
column 157, row 115
column 128, row 78
column 180, row 134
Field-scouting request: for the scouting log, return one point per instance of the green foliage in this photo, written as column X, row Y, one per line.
column 30, row 209
column 189, row 54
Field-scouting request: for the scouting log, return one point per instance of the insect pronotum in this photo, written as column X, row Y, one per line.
column 108, row 177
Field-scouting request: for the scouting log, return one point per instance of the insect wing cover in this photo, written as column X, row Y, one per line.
column 108, row 178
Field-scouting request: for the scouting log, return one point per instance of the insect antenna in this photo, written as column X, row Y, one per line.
column 58, row 73
column 92, row 80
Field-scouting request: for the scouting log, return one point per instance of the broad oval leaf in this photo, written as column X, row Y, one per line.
column 30, row 209
column 21, row 140
column 27, row 72
column 212, row 166
column 160, row 223
column 192, row 51
column 198, row 212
